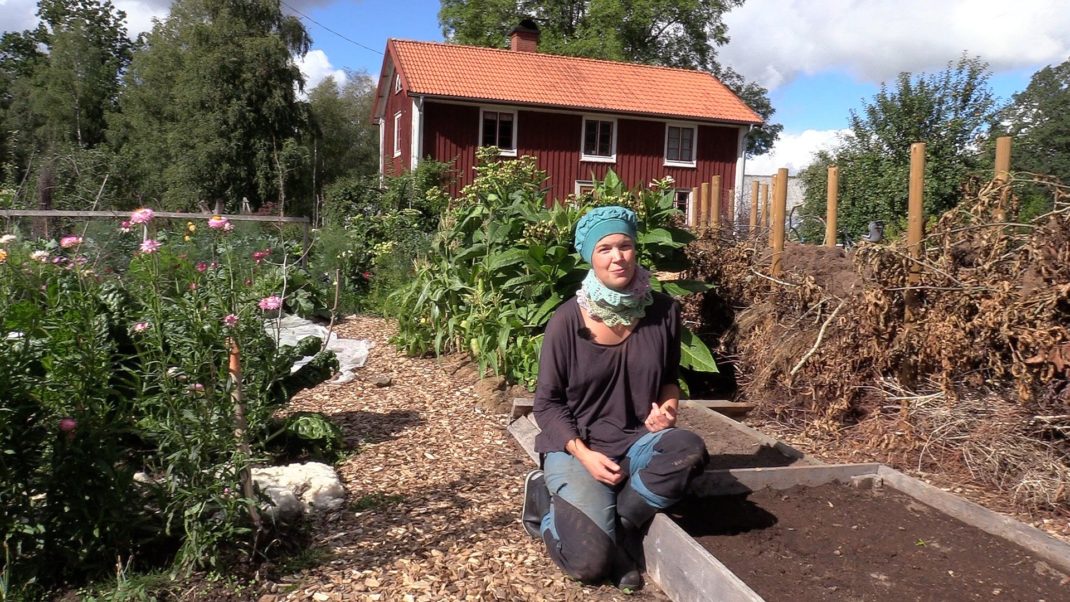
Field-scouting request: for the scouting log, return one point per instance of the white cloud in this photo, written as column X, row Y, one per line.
column 17, row 15
column 140, row 13
column 775, row 40
column 794, row 151
column 315, row 66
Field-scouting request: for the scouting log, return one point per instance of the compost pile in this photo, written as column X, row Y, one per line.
column 959, row 359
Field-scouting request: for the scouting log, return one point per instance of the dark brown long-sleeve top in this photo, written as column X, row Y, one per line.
column 602, row 393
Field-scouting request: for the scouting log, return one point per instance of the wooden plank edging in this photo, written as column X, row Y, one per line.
column 685, row 571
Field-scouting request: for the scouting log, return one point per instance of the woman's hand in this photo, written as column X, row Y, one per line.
column 598, row 464
column 661, row 417
column 601, row 467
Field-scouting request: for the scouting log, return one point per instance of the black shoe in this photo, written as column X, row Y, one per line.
column 536, row 503
column 626, row 574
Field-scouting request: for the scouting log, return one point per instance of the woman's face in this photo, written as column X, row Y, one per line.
column 613, row 261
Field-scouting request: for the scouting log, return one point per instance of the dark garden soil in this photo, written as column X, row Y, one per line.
column 729, row 447
column 835, row 542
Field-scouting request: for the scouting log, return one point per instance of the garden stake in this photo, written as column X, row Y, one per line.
column 753, row 207
column 715, row 202
column 831, row 205
column 240, row 432
column 780, row 200
column 1003, row 174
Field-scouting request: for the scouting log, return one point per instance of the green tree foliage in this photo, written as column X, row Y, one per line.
column 949, row 111
column 87, row 50
column 19, row 57
column 346, row 143
column 57, row 84
column 210, row 112
column 675, row 33
column 1039, row 120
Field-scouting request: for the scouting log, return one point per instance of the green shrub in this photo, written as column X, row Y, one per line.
column 113, row 366
column 502, row 261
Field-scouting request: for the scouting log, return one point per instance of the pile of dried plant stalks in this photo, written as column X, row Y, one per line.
column 979, row 377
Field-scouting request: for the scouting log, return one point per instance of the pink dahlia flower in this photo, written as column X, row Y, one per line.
column 270, row 303
column 141, row 216
column 218, row 222
column 149, row 246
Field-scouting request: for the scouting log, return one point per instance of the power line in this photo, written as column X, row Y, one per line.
column 329, row 29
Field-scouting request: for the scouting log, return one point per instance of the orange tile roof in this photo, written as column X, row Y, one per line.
column 532, row 78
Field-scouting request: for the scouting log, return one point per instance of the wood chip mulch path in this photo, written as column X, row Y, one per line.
column 434, row 492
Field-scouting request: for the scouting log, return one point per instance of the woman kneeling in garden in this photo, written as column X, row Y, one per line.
column 606, row 401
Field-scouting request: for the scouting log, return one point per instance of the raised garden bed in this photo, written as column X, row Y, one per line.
column 789, row 528
column 805, row 533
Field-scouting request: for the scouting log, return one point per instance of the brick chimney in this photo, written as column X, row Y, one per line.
column 524, row 37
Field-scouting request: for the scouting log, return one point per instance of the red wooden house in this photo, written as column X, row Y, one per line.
column 579, row 117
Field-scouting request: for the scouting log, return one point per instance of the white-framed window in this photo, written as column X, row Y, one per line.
column 397, row 83
column 498, row 128
column 397, row 134
column 680, row 143
column 682, row 201
column 584, row 187
column 599, row 140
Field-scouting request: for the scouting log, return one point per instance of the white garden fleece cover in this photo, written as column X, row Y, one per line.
column 351, row 353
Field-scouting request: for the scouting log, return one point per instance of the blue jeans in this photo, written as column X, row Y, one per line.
column 580, row 530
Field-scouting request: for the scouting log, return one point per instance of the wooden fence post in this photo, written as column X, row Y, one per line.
column 780, row 204
column 833, row 201
column 1003, row 173
column 715, row 201
column 753, row 207
column 693, row 208
column 730, row 209
column 772, row 194
column 915, row 225
column 1003, row 158
column 763, row 219
column 704, row 206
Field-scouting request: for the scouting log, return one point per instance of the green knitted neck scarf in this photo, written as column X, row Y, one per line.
column 612, row 307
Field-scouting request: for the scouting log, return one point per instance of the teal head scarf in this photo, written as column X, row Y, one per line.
column 602, row 303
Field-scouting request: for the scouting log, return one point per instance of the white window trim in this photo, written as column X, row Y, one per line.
column 689, row 205
column 612, row 158
column 397, row 83
column 416, row 140
column 694, row 144
column 581, row 184
column 504, row 151
column 397, row 134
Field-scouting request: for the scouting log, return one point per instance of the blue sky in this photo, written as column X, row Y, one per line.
column 818, row 58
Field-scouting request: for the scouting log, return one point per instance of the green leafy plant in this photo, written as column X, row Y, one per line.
column 502, row 261
column 305, row 435
column 120, row 412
